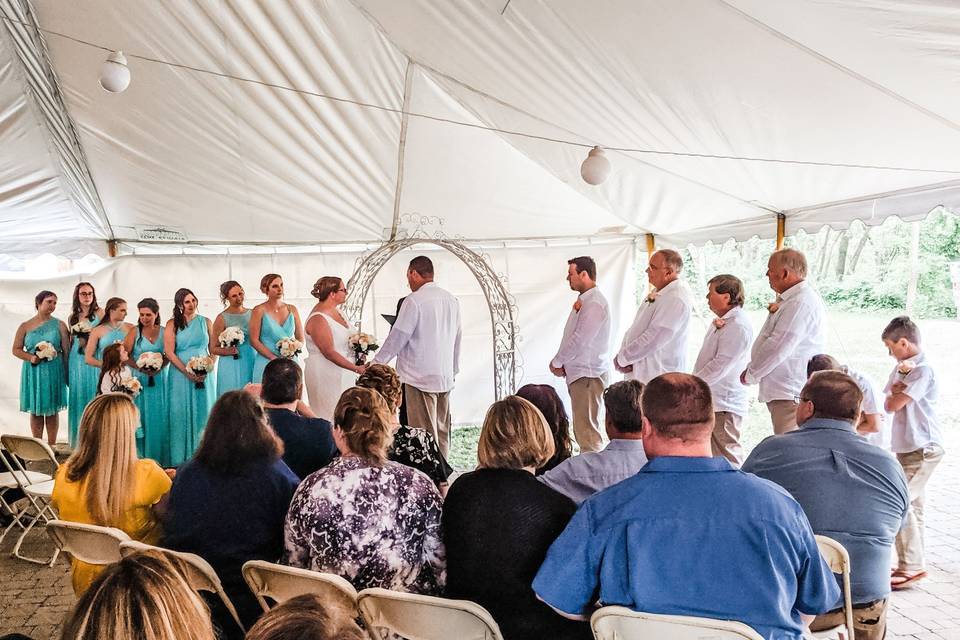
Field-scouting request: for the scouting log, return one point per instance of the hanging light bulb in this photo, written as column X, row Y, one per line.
column 115, row 74
column 595, row 168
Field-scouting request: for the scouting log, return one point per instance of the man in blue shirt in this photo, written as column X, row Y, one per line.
column 851, row 490
column 689, row 534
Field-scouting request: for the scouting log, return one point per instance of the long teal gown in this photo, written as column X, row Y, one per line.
column 234, row 374
column 270, row 333
column 152, row 403
column 188, row 407
column 43, row 389
column 83, row 386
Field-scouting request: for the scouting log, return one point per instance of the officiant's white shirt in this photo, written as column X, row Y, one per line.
column 584, row 349
column 656, row 342
column 723, row 357
column 789, row 338
column 425, row 340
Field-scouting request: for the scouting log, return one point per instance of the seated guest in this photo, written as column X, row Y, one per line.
column 411, row 446
column 851, row 491
column 229, row 501
column 104, row 483
column 545, row 398
column 873, row 425
column 305, row 617
column 144, row 596
column 498, row 522
column 690, row 534
column 582, row 476
column 307, row 440
column 363, row 517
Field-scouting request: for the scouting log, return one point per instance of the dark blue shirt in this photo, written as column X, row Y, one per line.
column 307, row 442
column 695, row 537
column 851, row 491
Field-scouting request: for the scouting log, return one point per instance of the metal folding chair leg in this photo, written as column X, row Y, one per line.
column 41, row 514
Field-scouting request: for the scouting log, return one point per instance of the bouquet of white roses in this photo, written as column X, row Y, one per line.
column 231, row 337
column 131, row 387
column 44, row 351
column 289, row 347
column 362, row 344
column 200, row 366
column 81, row 331
column 151, row 362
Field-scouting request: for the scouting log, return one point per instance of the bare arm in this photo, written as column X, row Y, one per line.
column 212, row 339
column 91, row 350
column 896, row 401
column 297, row 325
column 869, row 423
column 256, row 320
column 128, row 341
column 18, row 345
column 319, row 331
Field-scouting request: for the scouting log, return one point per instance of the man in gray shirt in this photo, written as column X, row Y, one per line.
column 582, row 476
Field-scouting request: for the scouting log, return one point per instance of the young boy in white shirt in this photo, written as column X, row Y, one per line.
column 910, row 396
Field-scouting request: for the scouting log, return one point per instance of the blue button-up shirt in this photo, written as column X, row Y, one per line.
column 581, row 476
column 851, row 491
column 696, row 537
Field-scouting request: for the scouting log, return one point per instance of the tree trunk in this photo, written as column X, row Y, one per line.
column 914, row 266
column 842, row 254
column 856, row 253
column 825, row 253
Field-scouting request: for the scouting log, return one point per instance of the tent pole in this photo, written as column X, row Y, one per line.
column 781, row 230
column 112, row 248
column 651, row 245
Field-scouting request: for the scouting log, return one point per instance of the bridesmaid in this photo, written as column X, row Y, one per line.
column 187, row 335
column 111, row 330
column 152, row 401
column 235, row 367
column 43, row 383
column 82, row 378
column 271, row 321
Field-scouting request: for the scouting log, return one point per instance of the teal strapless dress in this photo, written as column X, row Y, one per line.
column 152, row 403
column 43, row 388
column 270, row 333
column 83, row 386
column 188, row 407
column 234, row 374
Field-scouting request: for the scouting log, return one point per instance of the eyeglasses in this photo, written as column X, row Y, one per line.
column 799, row 399
column 341, row 290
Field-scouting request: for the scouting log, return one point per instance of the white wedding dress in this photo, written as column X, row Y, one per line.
column 324, row 380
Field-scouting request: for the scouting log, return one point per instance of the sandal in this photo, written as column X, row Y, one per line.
column 901, row 579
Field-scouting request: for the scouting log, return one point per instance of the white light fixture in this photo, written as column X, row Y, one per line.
column 595, row 168
column 115, row 74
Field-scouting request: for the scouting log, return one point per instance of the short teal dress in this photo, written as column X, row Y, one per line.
column 83, row 386
column 43, row 389
column 235, row 373
column 188, row 407
column 152, row 403
column 270, row 333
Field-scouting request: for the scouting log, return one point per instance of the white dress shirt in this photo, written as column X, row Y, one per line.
column 791, row 335
column 915, row 425
column 425, row 340
column 656, row 342
column 723, row 357
column 584, row 349
column 872, row 404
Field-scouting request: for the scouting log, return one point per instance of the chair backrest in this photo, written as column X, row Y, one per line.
column 418, row 617
column 29, row 449
column 838, row 560
column 280, row 583
column 621, row 623
column 88, row 542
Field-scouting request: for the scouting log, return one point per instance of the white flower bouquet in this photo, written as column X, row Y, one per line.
column 362, row 344
column 289, row 347
column 200, row 366
column 131, row 387
column 81, row 331
column 231, row 337
column 150, row 362
column 44, row 351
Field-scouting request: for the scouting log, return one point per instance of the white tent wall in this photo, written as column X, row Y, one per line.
column 534, row 273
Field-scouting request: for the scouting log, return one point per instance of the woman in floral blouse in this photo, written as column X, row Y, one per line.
column 370, row 520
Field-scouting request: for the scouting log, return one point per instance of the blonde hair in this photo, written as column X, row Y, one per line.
column 145, row 596
column 106, row 457
column 791, row 260
column 515, row 435
column 364, row 418
column 383, row 379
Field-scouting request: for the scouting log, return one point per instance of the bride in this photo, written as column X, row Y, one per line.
column 330, row 369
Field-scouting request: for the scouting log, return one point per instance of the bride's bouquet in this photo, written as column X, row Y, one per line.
column 362, row 344
column 151, row 362
column 45, row 351
column 289, row 347
column 131, row 387
column 200, row 366
column 231, row 337
column 81, row 331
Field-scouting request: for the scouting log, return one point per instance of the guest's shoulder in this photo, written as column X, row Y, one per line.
column 765, row 494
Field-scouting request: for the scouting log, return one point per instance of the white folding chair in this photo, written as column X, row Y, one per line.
column 280, row 583
column 838, row 560
column 88, row 543
column 200, row 574
column 621, row 623
column 37, row 487
column 418, row 617
column 8, row 483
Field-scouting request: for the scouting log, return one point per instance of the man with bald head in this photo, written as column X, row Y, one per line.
column 656, row 342
column 690, row 534
column 794, row 332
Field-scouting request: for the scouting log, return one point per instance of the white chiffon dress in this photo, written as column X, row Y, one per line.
column 324, row 380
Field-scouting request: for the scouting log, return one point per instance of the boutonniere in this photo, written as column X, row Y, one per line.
column 773, row 306
column 577, row 306
column 652, row 296
column 719, row 323
column 906, row 367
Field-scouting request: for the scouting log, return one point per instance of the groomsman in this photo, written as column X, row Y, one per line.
column 425, row 340
column 656, row 342
column 583, row 355
column 793, row 333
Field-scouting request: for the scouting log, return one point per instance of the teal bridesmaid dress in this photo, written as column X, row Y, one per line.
column 188, row 407
column 43, row 389
column 270, row 333
column 235, row 373
column 152, row 403
column 83, row 386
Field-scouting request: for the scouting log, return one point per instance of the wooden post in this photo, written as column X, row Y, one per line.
column 781, row 230
column 651, row 246
column 112, row 248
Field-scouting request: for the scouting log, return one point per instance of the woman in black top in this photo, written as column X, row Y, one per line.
column 499, row 521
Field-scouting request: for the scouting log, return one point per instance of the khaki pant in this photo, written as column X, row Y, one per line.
column 869, row 621
column 430, row 411
column 783, row 415
column 918, row 466
column 725, row 439
column 586, row 398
